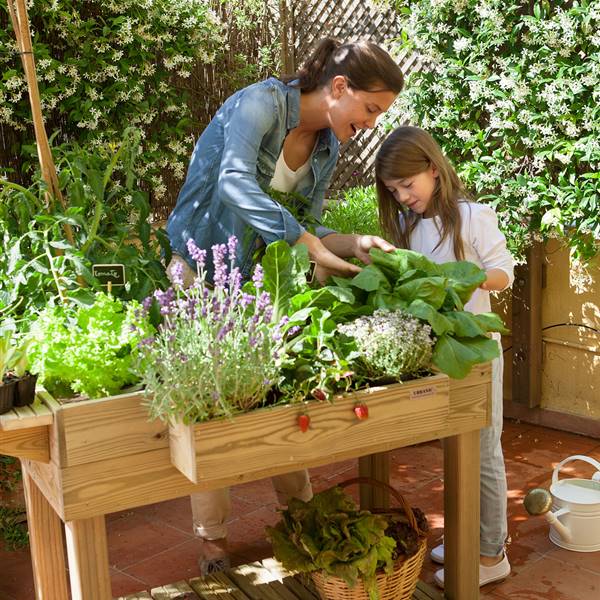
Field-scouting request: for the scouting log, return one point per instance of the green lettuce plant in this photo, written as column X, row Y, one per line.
column 88, row 350
column 330, row 534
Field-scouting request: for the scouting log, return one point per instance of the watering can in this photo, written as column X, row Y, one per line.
column 572, row 507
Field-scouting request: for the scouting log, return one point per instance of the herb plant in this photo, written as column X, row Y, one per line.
column 88, row 350
column 353, row 211
column 391, row 344
column 331, row 534
column 218, row 350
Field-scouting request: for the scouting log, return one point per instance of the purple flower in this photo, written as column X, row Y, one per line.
column 177, row 274
column 263, row 301
column 147, row 303
column 247, row 300
column 148, row 341
column 258, row 277
column 220, row 279
column 215, row 395
column 293, row 330
column 231, row 247
column 196, row 253
column 235, row 280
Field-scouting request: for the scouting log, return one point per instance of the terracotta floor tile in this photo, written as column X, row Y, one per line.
column 551, row 579
column 136, row 538
column 415, row 466
column 123, row 584
column 585, row 560
column 16, row 580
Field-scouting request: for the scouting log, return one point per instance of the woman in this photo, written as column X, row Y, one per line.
column 285, row 135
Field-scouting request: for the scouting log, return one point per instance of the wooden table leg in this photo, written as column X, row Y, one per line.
column 461, row 516
column 375, row 466
column 87, row 550
column 46, row 542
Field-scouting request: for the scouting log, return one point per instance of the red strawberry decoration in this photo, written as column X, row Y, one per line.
column 303, row 422
column 319, row 394
column 361, row 411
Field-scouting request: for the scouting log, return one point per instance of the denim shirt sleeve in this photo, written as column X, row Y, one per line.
column 252, row 118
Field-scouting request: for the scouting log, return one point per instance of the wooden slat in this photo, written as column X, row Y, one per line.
column 23, row 417
column 259, row 583
column 174, row 591
column 137, row 596
column 32, row 443
column 217, row 587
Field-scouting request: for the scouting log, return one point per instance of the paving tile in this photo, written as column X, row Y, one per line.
column 550, row 579
column 414, row 466
column 136, row 538
column 585, row 560
column 16, row 581
column 123, row 584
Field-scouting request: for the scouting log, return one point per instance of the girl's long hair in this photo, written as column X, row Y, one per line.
column 406, row 152
column 365, row 65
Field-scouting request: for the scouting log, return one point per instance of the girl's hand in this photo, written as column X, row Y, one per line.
column 363, row 243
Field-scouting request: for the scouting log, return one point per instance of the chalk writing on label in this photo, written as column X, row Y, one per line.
column 424, row 391
column 111, row 273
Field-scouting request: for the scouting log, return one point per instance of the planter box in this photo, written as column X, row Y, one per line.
column 267, row 441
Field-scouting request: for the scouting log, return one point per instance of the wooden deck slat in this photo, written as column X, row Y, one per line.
column 217, row 587
column 174, row 591
column 138, row 596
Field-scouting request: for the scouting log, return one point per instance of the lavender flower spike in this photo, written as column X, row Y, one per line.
column 177, row 274
column 220, row 278
column 232, row 243
column 258, row 277
column 196, row 253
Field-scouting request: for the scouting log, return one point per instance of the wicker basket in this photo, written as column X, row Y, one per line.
column 401, row 583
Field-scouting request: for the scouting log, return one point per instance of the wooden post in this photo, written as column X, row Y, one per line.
column 527, row 329
column 375, row 466
column 461, row 516
column 46, row 541
column 88, row 559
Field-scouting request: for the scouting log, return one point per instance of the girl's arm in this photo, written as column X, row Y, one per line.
column 497, row 280
column 490, row 244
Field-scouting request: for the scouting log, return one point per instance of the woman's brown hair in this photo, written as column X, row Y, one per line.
column 365, row 65
column 406, row 152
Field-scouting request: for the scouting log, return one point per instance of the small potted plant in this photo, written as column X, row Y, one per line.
column 352, row 554
column 25, row 389
column 8, row 381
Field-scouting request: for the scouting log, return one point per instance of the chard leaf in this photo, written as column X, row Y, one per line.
column 285, row 271
column 465, row 324
column 456, row 356
column 491, row 322
column 429, row 289
column 400, row 261
column 370, row 279
column 439, row 323
column 465, row 277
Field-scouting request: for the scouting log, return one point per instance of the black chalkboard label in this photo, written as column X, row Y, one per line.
column 113, row 274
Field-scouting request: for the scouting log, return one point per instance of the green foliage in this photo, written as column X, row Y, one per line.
column 354, row 211
column 434, row 293
column 88, row 350
column 109, row 216
column 330, row 534
column 13, row 528
column 510, row 89
column 105, row 65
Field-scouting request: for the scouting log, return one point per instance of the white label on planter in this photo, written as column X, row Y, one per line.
column 424, row 391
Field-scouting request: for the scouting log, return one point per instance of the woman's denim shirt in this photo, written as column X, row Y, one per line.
column 233, row 162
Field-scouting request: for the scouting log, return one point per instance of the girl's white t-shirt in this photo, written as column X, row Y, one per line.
column 484, row 245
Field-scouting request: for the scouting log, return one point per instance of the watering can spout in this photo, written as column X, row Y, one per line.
column 539, row 502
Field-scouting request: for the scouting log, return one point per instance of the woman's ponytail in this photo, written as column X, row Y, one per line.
column 310, row 75
column 365, row 65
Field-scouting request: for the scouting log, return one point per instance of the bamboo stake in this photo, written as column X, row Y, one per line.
column 20, row 22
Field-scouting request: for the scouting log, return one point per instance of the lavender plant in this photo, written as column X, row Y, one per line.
column 218, row 350
column 391, row 343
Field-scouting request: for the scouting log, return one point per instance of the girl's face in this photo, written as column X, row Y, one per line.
column 416, row 191
column 351, row 110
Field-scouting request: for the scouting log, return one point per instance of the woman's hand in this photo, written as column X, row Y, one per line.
column 363, row 243
column 327, row 262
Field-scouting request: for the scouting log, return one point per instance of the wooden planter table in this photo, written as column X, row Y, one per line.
column 82, row 460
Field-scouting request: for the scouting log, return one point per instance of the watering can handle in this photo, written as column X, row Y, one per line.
column 562, row 463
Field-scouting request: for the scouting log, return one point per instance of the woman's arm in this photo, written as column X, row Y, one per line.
column 355, row 245
column 497, row 280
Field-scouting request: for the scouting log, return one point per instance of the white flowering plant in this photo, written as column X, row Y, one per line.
column 103, row 65
column 511, row 90
column 391, row 343
column 219, row 348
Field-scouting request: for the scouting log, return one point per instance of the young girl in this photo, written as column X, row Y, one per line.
column 423, row 206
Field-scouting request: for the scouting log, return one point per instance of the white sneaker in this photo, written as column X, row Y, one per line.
column 437, row 554
column 486, row 574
